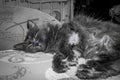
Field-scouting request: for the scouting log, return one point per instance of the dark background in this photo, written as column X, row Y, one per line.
column 95, row 8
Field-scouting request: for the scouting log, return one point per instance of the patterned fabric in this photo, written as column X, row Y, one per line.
column 13, row 56
column 18, row 65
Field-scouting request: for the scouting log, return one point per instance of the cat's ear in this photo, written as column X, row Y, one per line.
column 107, row 41
column 30, row 24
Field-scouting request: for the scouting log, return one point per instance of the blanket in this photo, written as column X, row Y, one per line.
column 19, row 65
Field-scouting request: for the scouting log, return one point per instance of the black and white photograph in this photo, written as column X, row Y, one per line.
column 59, row 39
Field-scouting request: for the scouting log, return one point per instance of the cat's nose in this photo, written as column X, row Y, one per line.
column 40, row 45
